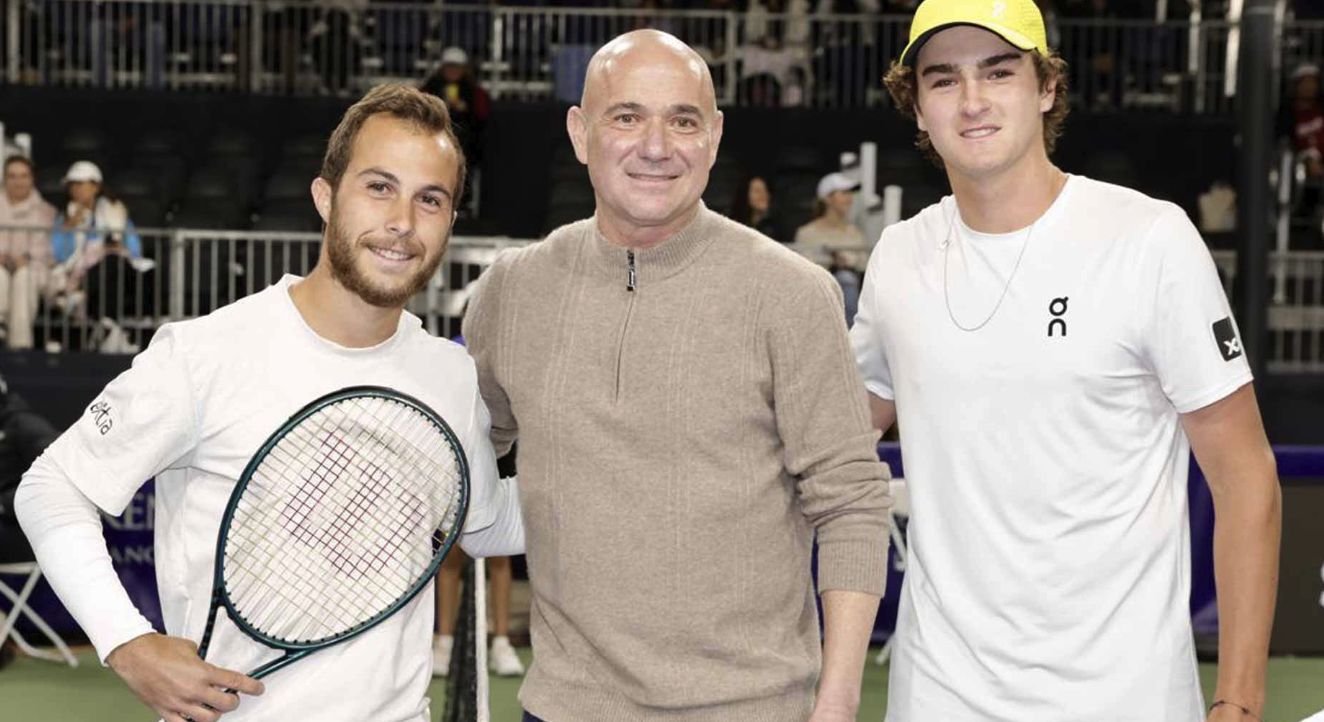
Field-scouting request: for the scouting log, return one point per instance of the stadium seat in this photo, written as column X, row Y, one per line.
column 31, row 574
column 146, row 211
column 287, row 186
column 232, row 143
column 210, row 183
column 83, row 141
column 292, row 214
column 240, row 178
column 133, row 182
column 304, row 146
column 169, row 172
column 156, row 143
column 212, row 212
column 298, row 165
column 802, row 159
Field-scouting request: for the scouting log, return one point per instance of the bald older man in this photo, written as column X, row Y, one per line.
column 690, row 419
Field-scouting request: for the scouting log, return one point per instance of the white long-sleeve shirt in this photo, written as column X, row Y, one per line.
column 191, row 412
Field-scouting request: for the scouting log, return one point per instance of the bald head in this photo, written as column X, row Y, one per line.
column 648, row 129
column 639, row 49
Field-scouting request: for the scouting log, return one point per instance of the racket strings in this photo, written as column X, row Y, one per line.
column 334, row 537
column 338, row 466
column 340, row 519
column 336, row 552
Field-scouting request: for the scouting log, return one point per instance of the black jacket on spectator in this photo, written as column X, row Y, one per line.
column 24, row 434
column 469, row 124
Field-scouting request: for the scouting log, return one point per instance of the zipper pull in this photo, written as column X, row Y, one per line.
column 632, row 280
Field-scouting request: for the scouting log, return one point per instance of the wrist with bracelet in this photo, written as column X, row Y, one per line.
column 1245, row 711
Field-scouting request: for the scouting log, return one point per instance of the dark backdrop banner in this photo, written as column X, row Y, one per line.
column 60, row 386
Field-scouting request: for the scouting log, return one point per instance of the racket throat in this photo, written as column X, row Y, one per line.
column 205, row 644
column 279, row 663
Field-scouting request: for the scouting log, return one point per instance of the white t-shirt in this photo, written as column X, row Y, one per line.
column 1049, row 568
column 192, row 411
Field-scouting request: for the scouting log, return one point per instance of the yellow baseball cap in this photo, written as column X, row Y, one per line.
column 1016, row 21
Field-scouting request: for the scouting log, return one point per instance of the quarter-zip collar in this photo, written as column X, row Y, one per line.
column 636, row 268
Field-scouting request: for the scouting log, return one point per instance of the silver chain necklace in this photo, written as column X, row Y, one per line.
column 946, row 246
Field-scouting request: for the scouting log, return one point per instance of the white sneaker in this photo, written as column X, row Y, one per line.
column 502, row 660
column 441, row 655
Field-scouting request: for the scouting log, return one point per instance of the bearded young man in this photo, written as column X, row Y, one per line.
column 202, row 398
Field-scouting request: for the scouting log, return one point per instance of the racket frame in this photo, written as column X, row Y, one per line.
column 295, row 651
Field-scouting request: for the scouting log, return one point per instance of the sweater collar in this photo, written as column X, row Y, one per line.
column 661, row 261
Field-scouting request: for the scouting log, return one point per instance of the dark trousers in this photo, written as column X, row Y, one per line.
column 530, row 718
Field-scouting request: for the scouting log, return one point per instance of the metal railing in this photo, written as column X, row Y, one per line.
column 537, row 53
column 115, row 307
column 1302, row 42
column 199, row 271
column 1296, row 312
column 1144, row 65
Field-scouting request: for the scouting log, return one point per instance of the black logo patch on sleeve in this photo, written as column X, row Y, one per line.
column 100, row 411
column 1226, row 336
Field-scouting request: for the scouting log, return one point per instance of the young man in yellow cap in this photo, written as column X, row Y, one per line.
column 1053, row 348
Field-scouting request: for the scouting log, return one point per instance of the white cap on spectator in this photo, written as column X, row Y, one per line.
column 454, row 56
column 833, row 182
column 1305, row 69
column 83, row 170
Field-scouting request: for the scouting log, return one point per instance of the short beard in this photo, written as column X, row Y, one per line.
column 345, row 269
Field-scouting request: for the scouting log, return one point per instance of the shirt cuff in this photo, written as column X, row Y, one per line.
column 853, row 565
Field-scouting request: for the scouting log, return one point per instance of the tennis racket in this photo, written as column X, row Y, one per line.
column 339, row 520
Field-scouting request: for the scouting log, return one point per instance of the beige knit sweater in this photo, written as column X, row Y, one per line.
column 685, row 429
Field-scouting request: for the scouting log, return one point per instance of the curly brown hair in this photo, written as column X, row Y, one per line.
column 901, row 84
column 426, row 112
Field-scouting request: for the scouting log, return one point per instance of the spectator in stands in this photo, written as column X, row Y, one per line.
column 1301, row 124
column 757, row 25
column 822, row 239
column 454, row 82
column 24, row 434
column 688, row 424
column 774, row 73
column 25, row 256
column 98, row 256
column 470, row 106
column 831, row 227
column 752, row 206
column 1304, row 115
column 93, row 226
column 336, row 41
column 1100, row 80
